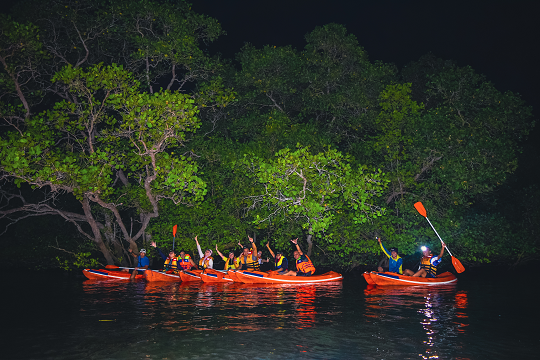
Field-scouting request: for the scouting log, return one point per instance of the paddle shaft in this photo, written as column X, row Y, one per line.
column 119, row 267
column 438, row 236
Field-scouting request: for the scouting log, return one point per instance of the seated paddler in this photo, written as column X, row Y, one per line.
column 395, row 263
column 428, row 263
column 304, row 266
column 142, row 262
column 248, row 259
column 171, row 264
column 185, row 261
column 231, row 262
column 206, row 261
column 280, row 262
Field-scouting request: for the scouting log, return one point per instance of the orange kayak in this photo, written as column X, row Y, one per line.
column 367, row 276
column 387, row 278
column 211, row 275
column 190, row 275
column 254, row 277
column 154, row 275
column 103, row 274
column 232, row 275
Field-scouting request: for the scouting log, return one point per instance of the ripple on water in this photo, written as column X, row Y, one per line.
column 139, row 320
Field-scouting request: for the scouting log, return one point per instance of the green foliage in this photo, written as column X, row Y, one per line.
column 135, row 119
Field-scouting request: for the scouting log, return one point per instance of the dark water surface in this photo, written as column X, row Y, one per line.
column 62, row 317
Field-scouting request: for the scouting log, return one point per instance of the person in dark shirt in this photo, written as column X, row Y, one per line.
column 280, row 262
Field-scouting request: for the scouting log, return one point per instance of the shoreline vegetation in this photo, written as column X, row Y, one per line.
column 118, row 123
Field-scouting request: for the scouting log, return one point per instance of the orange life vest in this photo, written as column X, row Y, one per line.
column 206, row 262
column 185, row 263
column 426, row 264
column 305, row 266
column 171, row 264
column 248, row 261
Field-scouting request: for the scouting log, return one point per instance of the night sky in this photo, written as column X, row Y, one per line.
column 497, row 38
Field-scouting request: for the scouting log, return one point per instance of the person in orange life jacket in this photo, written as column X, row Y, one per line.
column 280, row 262
column 395, row 261
column 207, row 261
column 185, row 261
column 428, row 263
column 142, row 262
column 304, row 266
column 171, row 261
column 248, row 259
column 231, row 263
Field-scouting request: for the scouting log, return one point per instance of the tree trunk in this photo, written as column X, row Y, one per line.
column 310, row 243
column 110, row 235
column 97, row 233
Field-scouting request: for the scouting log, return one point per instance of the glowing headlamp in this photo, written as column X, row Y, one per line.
column 423, row 248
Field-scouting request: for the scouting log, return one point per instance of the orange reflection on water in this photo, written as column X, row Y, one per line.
column 221, row 306
column 305, row 300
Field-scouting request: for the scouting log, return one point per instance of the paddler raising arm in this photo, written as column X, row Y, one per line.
column 207, row 261
column 249, row 261
column 231, row 263
column 428, row 263
column 280, row 262
column 304, row 266
column 395, row 263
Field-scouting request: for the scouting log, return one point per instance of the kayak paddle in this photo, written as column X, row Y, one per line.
column 174, row 235
column 114, row 267
column 457, row 264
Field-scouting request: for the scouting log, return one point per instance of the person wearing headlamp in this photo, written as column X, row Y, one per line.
column 428, row 263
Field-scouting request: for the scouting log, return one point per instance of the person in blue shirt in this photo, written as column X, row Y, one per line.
column 395, row 261
column 142, row 262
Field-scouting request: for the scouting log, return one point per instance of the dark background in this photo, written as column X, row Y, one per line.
column 497, row 38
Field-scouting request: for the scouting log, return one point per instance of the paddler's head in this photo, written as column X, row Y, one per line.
column 142, row 253
column 296, row 255
column 278, row 255
column 172, row 254
column 393, row 252
column 207, row 253
column 425, row 250
column 231, row 255
column 245, row 252
column 182, row 254
column 259, row 253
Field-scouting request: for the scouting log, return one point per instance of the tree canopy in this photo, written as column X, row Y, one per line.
column 119, row 121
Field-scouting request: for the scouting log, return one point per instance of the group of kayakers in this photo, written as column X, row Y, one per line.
column 249, row 259
column 428, row 263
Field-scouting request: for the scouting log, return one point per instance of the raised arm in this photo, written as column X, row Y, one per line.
column 254, row 248
column 220, row 254
column 271, row 252
column 442, row 251
column 153, row 244
column 295, row 242
column 383, row 248
column 131, row 252
column 201, row 254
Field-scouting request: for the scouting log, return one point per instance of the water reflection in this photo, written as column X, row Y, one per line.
column 442, row 310
column 206, row 306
